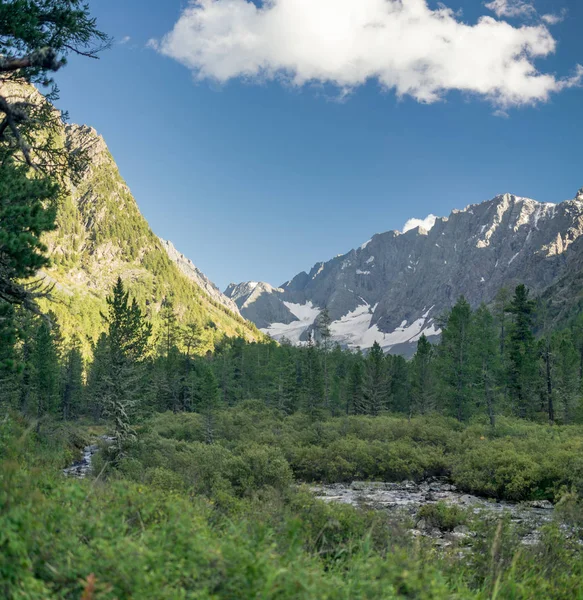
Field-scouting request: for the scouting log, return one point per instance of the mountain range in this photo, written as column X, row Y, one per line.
column 391, row 289
column 394, row 287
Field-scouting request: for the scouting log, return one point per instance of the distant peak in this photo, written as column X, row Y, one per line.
column 426, row 224
column 579, row 195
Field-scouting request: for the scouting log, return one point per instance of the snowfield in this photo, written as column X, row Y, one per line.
column 353, row 330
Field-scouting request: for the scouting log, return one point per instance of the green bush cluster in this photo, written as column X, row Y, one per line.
column 519, row 460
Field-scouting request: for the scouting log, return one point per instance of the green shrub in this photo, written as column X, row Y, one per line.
column 443, row 516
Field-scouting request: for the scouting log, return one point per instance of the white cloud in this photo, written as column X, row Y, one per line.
column 512, row 8
column 551, row 19
column 403, row 44
column 125, row 39
column 427, row 223
column 523, row 9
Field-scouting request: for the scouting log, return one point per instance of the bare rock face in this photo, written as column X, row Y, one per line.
column 262, row 302
column 392, row 288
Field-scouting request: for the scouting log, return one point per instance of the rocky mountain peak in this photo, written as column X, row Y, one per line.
column 579, row 195
column 394, row 287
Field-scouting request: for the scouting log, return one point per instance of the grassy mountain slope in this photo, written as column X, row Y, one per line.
column 101, row 235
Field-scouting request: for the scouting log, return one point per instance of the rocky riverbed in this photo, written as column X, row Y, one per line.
column 406, row 498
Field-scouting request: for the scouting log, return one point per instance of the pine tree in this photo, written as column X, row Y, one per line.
column 323, row 326
column 98, row 378
column 522, row 359
column 578, row 341
column 485, row 361
column 565, row 375
column 339, row 393
column 46, row 370
column 400, row 392
column 209, row 394
column 314, row 383
column 8, row 339
column 453, row 360
column 170, row 379
column 128, row 338
column 376, row 381
column 356, row 404
column 190, row 337
column 422, row 378
column 501, row 307
column 71, row 397
column 27, row 324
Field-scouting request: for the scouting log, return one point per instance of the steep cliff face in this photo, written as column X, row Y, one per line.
column 101, row 235
column 392, row 288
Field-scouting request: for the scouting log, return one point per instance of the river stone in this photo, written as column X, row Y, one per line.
column 462, row 529
column 542, row 504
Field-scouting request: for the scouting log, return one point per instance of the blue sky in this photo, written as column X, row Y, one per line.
column 257, row 172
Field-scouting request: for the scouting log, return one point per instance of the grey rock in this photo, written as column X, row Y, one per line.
column 542, row 504
column 393, row 288
column 263, row 304
column 467, row 499
column 462, row 529
column 402, row 500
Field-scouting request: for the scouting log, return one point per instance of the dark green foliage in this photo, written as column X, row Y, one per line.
column 97, row 378
column 443, row 516
column 209, row 401
column 8, row 337
column 376, row 381
column 422, row 378
column 454, row 361
column 35, row 36
column 72, row 384
column 325, row 334
column 356, row 402
column 565, row 372
column 521, row 353
column 45, row 370
column 128, row 336
column 486, row 364
column 27, row 210
column 313, row 382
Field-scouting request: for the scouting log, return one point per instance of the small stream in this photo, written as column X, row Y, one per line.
column 82, row 467
column 406, row 498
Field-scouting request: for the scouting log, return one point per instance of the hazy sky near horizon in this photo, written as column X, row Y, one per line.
column 261, row 138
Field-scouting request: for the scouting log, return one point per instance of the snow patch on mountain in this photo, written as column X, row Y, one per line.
column 321, row 268
column 355, row 330
column 351, row 329
column 306, row 315
column 401, row 335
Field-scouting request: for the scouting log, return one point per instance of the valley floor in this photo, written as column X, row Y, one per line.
column 178, row 518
